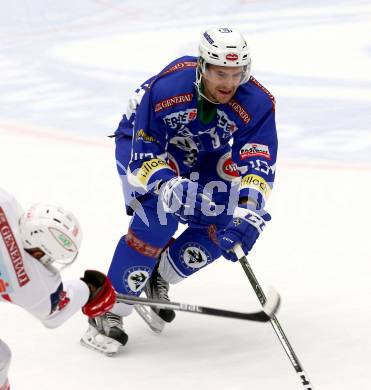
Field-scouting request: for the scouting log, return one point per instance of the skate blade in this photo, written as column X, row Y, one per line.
column 108, row 348
column 156, row 323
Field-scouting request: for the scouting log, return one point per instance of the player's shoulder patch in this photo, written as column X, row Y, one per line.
column 179, row 66
column 172, row 87
column 255, row 82
column 175, row 68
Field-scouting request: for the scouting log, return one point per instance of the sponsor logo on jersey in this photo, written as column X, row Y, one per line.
column 173, row 164
column 180, row 118
column 13, row 250
column 253, row 150
column 224, row 123
column 242, row 113
column 271, row 97
column 173, row 101
column 256, row 182
column 141, row 135
column 227, row 169
column 231, row 57
column 180, row 65
column 194, row 256
column 148, row 168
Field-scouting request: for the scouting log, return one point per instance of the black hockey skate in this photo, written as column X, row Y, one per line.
column 105, row 334
column 110, row 325
column 156, row 288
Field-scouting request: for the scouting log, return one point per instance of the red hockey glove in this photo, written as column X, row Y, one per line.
column 102, row 294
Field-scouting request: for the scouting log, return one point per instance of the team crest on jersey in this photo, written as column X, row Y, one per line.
column 190, row 149
column 180, row 118
column 173, row 101
column 194, row 256
column 254, row 150
column 227, row 169
column 135, row 278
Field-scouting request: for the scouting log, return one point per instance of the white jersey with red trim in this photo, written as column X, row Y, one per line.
column 26, row 282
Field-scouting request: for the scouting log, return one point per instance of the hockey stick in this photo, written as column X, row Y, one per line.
column 269, row 308
column 274, row 321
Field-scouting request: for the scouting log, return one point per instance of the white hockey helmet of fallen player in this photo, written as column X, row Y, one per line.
column 223, row 47
column 52, row 229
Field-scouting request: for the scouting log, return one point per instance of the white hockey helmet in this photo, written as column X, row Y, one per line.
column 52, row 229
column 224, row 47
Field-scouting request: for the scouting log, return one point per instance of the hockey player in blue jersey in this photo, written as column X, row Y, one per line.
column 197, row 145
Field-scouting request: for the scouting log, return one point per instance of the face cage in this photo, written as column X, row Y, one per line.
column 58, row 264
column 200, row 70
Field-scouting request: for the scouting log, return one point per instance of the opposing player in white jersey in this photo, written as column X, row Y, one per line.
column 34, row 246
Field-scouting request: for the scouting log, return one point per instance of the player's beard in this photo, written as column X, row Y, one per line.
column 213, row 97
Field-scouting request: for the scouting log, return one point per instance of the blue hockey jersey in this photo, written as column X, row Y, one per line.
column 164, row 123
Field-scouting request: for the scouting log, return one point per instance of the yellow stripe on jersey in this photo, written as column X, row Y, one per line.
column 257, row 183
column 148, row 168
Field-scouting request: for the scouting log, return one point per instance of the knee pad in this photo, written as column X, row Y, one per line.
column 132, row 266
column 137, row 252
column 192, row 250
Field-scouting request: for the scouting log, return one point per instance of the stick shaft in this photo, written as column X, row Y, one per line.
column 274, row 321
